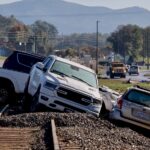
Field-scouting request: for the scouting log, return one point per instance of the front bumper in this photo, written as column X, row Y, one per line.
column 55, row 102
column 118, row 74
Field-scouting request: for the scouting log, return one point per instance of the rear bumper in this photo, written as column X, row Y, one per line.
column 115, row 114
column 133, row 72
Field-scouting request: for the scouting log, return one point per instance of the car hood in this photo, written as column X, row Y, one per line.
column 74, row 84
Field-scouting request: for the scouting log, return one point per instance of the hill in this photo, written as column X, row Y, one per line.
column 71, row 17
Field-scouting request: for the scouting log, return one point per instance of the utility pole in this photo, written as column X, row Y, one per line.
column 148, row 48
column 97, row 46
column 34, row 40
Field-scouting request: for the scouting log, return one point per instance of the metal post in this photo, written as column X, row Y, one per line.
column 35, row 44
column 147, row 45
column 97, row 46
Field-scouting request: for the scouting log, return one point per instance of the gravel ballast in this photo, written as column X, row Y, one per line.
column 83, row 130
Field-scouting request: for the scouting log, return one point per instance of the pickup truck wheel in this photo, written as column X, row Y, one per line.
column 111, row 76
column 104, row 112
column 27, row 98
column 5, row 94
column 34, row 103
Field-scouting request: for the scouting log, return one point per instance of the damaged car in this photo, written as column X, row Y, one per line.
column 63, row 85
column 109, row 98
column 133, row 107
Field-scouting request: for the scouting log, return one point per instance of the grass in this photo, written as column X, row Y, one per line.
column 2, row 58
column 147, row 75
column 121, row 86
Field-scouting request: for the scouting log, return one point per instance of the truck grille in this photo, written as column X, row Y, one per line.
column 119, row 71
column 74, row 96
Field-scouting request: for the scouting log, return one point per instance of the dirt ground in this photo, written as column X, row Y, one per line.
column 83, row 130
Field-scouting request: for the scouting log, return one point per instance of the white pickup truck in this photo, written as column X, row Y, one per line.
column 63, row 85
column 14, row 74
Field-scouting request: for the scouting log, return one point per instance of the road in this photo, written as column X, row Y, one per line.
column 139, row 77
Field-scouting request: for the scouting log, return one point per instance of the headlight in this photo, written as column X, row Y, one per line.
column 50, row 85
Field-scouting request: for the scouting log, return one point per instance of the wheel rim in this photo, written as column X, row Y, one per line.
column 4, row 95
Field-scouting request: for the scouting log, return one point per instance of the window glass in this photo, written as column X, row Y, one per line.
column 75, row 72
column 117, row 65
column 139, row 97
column 48, row 62
column 27, row 60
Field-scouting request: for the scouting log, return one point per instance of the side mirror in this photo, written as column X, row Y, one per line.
column 40, row 65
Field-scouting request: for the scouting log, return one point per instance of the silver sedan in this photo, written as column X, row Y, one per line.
column 133, row 107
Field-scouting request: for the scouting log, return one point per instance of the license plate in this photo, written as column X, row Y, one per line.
column 141, row 115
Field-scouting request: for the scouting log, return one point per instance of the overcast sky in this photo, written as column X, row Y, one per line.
column 115, row 4
column 7, row 1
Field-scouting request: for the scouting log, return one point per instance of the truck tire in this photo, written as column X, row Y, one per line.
column 34, row 102
column 111, row 75
column 7, row 94
column 104, row 112
column 27, row 98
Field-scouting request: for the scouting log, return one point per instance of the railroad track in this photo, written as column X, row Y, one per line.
column 20, row 138
column 58, row 142
column 16, row 138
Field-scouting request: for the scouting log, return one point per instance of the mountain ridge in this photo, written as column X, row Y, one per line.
column 70, row 17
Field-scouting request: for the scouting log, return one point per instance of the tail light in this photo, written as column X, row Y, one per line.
column 119, row 103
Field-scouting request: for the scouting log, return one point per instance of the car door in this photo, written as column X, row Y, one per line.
column 136, row 106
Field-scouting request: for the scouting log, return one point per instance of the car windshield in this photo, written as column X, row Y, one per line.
column 117, row 65
column 134, row 67
column 75, row 72
column 139, row 97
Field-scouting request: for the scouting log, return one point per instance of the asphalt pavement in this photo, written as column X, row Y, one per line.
column 139, row 77
column 135, row 77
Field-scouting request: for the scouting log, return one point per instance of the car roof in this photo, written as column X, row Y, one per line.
column 140, row 89
column 73, row 63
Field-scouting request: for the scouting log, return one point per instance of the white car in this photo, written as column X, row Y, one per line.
column 134, row 69
column 64, row 85
column 133, row 107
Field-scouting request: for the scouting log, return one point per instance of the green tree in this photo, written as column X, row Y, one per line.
column 127, row 40
column 70, row 52
column 146, row 44
column 44, row 36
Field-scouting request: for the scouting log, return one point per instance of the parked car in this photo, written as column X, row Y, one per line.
column 63, row 85
column 14, row 75
column 134, row 69
column 133, row 107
